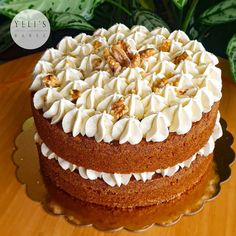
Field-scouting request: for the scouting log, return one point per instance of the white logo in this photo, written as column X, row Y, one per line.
column 30, row 29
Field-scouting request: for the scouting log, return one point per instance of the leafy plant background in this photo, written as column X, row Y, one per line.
column 213, row 22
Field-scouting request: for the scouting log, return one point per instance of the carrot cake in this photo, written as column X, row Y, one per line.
column 126, row 117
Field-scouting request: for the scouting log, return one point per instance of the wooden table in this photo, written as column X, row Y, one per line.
column 19, row 215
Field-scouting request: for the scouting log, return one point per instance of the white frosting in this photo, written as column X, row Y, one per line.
column 90, row 98
column 73, row 85
column 98, row 79
column 192, row 87
column 67, row 44
column 51, row 54
column 69, row 74
column 179, row 36
column 46, row 95
column 58, row 110
column 100, row 127
column 161, row 31
column 155, row 128
column 117, row 179
column 75, row 120
column 43, row 67
column 65, row 62
column 127, row 129
column 83, row 38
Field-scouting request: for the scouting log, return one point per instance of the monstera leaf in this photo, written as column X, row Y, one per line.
column 231, row 52
column 68, row 20
column 180, row 3
column 148, row 19
column 83, row 8
column 222, row 12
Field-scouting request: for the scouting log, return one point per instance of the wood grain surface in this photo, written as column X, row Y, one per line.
column 19, row 215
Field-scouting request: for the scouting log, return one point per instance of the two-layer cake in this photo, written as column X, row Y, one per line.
column 126, row 117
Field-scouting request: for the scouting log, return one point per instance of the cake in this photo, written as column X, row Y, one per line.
column 126, row 117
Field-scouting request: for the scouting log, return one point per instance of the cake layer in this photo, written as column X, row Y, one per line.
column 118, row 179
column 126, row 84
column 110, row 218
column 136, row 193
column 126, row 158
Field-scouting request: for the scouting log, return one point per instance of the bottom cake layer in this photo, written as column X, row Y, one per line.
column 137, row 193
column 108, row 218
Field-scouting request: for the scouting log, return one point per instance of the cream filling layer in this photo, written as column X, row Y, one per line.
column 117, row 179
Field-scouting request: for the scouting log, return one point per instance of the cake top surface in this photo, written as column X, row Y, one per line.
column 126, row 84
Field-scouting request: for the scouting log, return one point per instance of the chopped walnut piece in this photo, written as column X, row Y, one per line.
column 118, row 108
column 147, row 52
column 51, row 81
column 113, row 64
column 123, row 45
column 180, row 58
column 75, row 93
column 120, row 55
column 163, row 82
column 97, row 44
column 165, row 47
column 136, row 60
column 106, row 53
column 96, row 63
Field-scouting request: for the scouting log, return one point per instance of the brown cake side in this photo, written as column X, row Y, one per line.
column 126, row 158
column 135, row 193
column 87, row 213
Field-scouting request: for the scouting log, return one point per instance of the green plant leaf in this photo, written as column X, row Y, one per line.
column 83, row 8
column 231, row 53
column 66, row 20
column 148, row 19
column 102, row 19
column 220, row 13
column 5, row 39
column 147, row 4
column 180, row 3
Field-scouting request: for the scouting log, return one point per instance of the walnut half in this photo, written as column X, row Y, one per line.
column 118, row 108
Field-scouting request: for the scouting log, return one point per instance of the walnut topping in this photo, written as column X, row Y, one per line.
column 165, row 47
column 75, row 93
column 106, row 53
column 118, row 108
column 120, row 55
column 96, row 63
column 113, row 64
column 51, row 81
column 180, row 58
column 136, row 60
column 123, row 45
column 146, row 53
column 97, row 44
column 163, row 82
